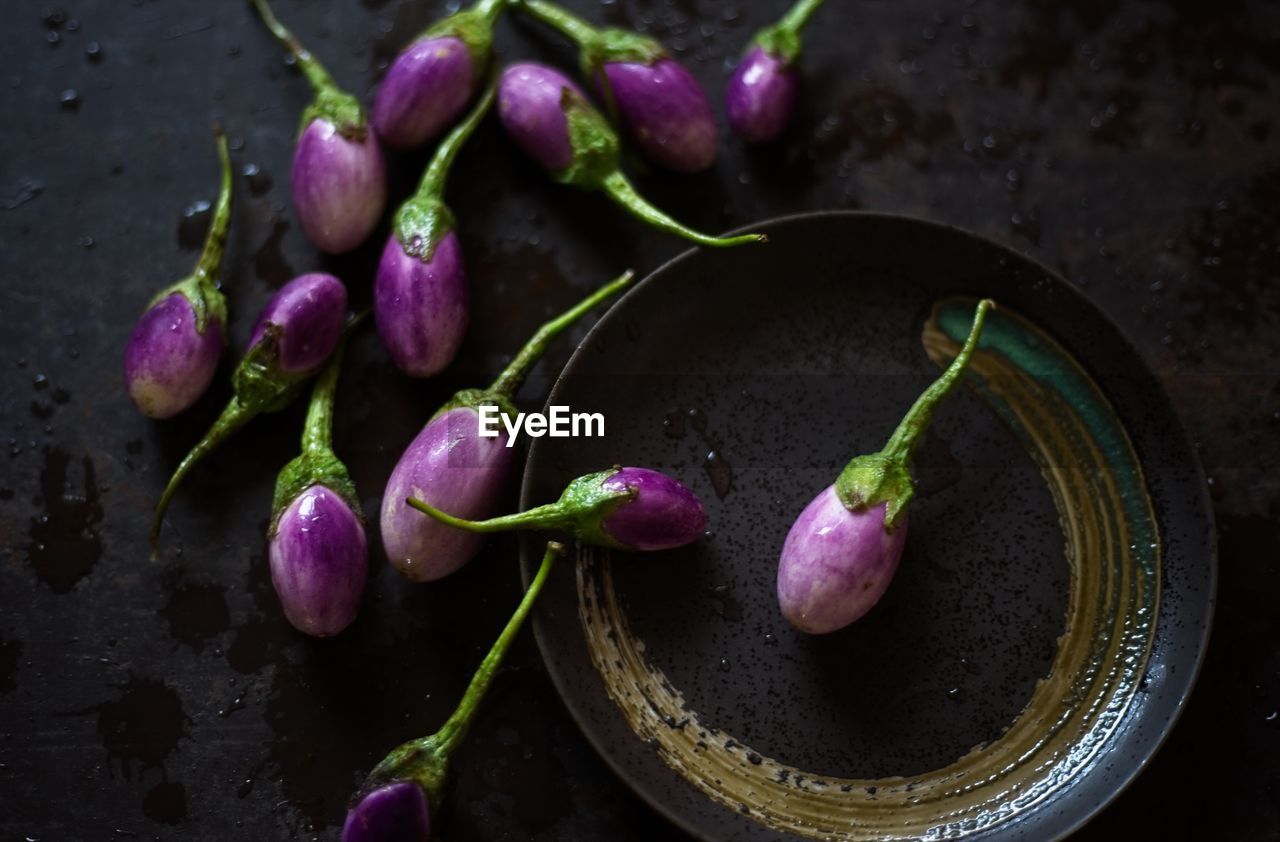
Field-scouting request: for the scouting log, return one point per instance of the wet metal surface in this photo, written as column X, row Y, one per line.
column 1131, row 146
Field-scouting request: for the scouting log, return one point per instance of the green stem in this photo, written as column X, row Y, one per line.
column 215, row 242
column 235, row 416
column 571, row 26
column 455, row 727
column 319, row 78
column 433, row 181
column 621, row 191
column 798, row 15
column 489, row 10
column 317, row 431
column 513, row 375
column 905, row 438
column 549, row 516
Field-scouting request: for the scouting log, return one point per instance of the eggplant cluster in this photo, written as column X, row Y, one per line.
column 441, row 498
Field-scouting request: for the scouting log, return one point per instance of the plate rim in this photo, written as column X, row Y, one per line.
column 1201, row 492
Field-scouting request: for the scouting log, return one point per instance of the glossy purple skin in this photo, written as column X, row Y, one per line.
column 319, row 562
column 760, row 96
column 168, row 364
column 836, row 564
column 425, row 90
column 665, row 112
column 397, row 812
column 310, row 311
column 663, row 514
column 450, row 466
column 422, row 309
column 529, row 107
column 339, row 186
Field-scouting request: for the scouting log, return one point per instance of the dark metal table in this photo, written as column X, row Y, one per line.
column 1131, row 145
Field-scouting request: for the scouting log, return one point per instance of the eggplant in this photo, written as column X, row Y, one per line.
column 658, row 103
column 450, row 464
column 339, row 180
column 397, row 799
column 174, row 349
column 421, row 301
column 549, row 118
column 318, row 552
column 621, row 508
column 841, row 553
column 434, row 77
column 296, row 332
column 761, row 94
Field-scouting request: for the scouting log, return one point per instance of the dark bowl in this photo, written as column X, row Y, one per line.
column 1053, row 602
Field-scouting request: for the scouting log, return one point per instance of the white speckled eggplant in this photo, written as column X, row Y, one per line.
column 842, row 552
column 174, row 349
column 451, row 465
column 397, row 799
column 658, row 103
column 421, row 301
column 317, row 549
column 339, row 180
column 434, row 77
column 549, row 118
column 761, row 94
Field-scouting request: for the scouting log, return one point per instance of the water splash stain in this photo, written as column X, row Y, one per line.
column 141, row 727
column 65, row 543
column 196, row 613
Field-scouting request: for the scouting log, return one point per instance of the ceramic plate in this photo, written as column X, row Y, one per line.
column 1050, row 610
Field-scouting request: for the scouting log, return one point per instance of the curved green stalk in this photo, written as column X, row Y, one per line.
column 619, row 188
column 215, row 242
column 311, row 67
column 782, row 39
column 235, row 416
column 884, row 477
column 550, row 516
column 433, row 180
column 425, row 760
column 513, row 375
column 563, row 21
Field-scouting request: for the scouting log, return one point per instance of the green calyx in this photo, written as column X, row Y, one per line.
column 339, row 108
column 473, row 27
column 200, row 288
column 318, row 464
column 425, row 761
column 580, row 511
column 420, row 224
column 782, row 40
column 885, row 477
column 593, row 141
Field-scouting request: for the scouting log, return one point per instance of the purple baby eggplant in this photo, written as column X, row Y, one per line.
column 396, row 812
column 421, row 300
column 623, row 508
column 761, row 94
column 843, row 550
column 339, row 177
column 660, row 105
column 549, row 118
column 299, row 328
column 314, row 307
column 434, row 77
column 401, row 793
column 174, row 349
column 317, row 548
column 450, row 464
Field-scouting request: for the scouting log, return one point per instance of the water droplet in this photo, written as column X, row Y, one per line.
column 724, row 665
column 70, row 99
column 259, row 181
column 93, row 52
column 194, row 224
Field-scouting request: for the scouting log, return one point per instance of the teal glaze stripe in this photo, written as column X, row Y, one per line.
column 1018, row 341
